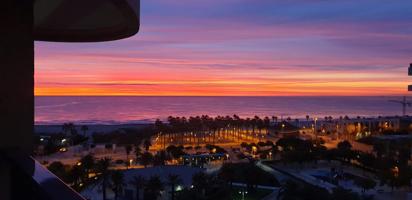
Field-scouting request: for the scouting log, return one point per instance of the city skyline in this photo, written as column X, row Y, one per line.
column 241, row 48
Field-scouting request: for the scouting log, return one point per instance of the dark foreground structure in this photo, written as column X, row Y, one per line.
column 23, row 22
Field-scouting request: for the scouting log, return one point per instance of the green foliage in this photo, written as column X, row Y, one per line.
column 58, row 169
column 297, row 150
column 175, row 151
column 138, row 182
column 124, row 136
column 160, row 158
column 152, row 188
column 88, row 162
column 173, row 180
column 344, row 146
column 147, row 144
column 246, row 173
column 401, row 178
column 117, row 183
column 146, row 159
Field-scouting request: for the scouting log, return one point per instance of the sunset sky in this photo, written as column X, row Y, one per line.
column 242, row 47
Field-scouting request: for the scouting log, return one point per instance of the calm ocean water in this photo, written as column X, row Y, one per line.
column 115, row 110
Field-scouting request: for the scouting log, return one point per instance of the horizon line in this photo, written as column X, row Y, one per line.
column 388, row 95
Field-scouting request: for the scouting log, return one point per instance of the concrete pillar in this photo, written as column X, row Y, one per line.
column 16, row 75
column 16, row 82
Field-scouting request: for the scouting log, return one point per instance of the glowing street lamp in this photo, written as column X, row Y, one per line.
column 254, row 149
column 243, row 193
column 314, row 129
column 179, row 188
column 395, row 171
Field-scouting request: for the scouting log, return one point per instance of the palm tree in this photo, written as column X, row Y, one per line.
column 137, row 152
column 138, row 182
column 274, row 119
column 68, row 128
column 84, row 128
column 103, row 168
column 160, row 128
column 128, row 149
column 76, row 174
column 266, row 124
column 87, row 163
column 173, row 180
column 227, row 172
column 200, row 182
column 147, row 144
column 118, row 182
column 160, row 158
column 146, row 159
column 58, row 169
column 344, row 149
column 153, row 187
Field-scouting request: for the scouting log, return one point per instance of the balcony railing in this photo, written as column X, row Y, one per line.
column 31, row 180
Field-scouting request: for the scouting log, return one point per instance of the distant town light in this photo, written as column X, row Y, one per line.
column 179, row 188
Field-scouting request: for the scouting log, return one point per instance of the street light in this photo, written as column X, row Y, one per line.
column 315, row 131
column 243, row 193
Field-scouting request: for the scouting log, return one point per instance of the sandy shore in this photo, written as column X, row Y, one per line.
column 92, row 128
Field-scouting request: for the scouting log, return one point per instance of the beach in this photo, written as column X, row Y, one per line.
column 92, row 128
column 143, row 110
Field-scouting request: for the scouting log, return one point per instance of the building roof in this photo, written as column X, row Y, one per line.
column 85, row 20
column 185, row 173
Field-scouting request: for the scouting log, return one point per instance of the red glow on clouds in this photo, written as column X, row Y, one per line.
column 199, row 54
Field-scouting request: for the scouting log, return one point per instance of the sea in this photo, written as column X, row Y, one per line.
column 136, row 110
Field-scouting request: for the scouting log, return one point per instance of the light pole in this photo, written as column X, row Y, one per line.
column 314, row 128
column 243, row 193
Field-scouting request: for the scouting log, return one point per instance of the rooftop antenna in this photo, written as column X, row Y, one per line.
column 404, row 104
